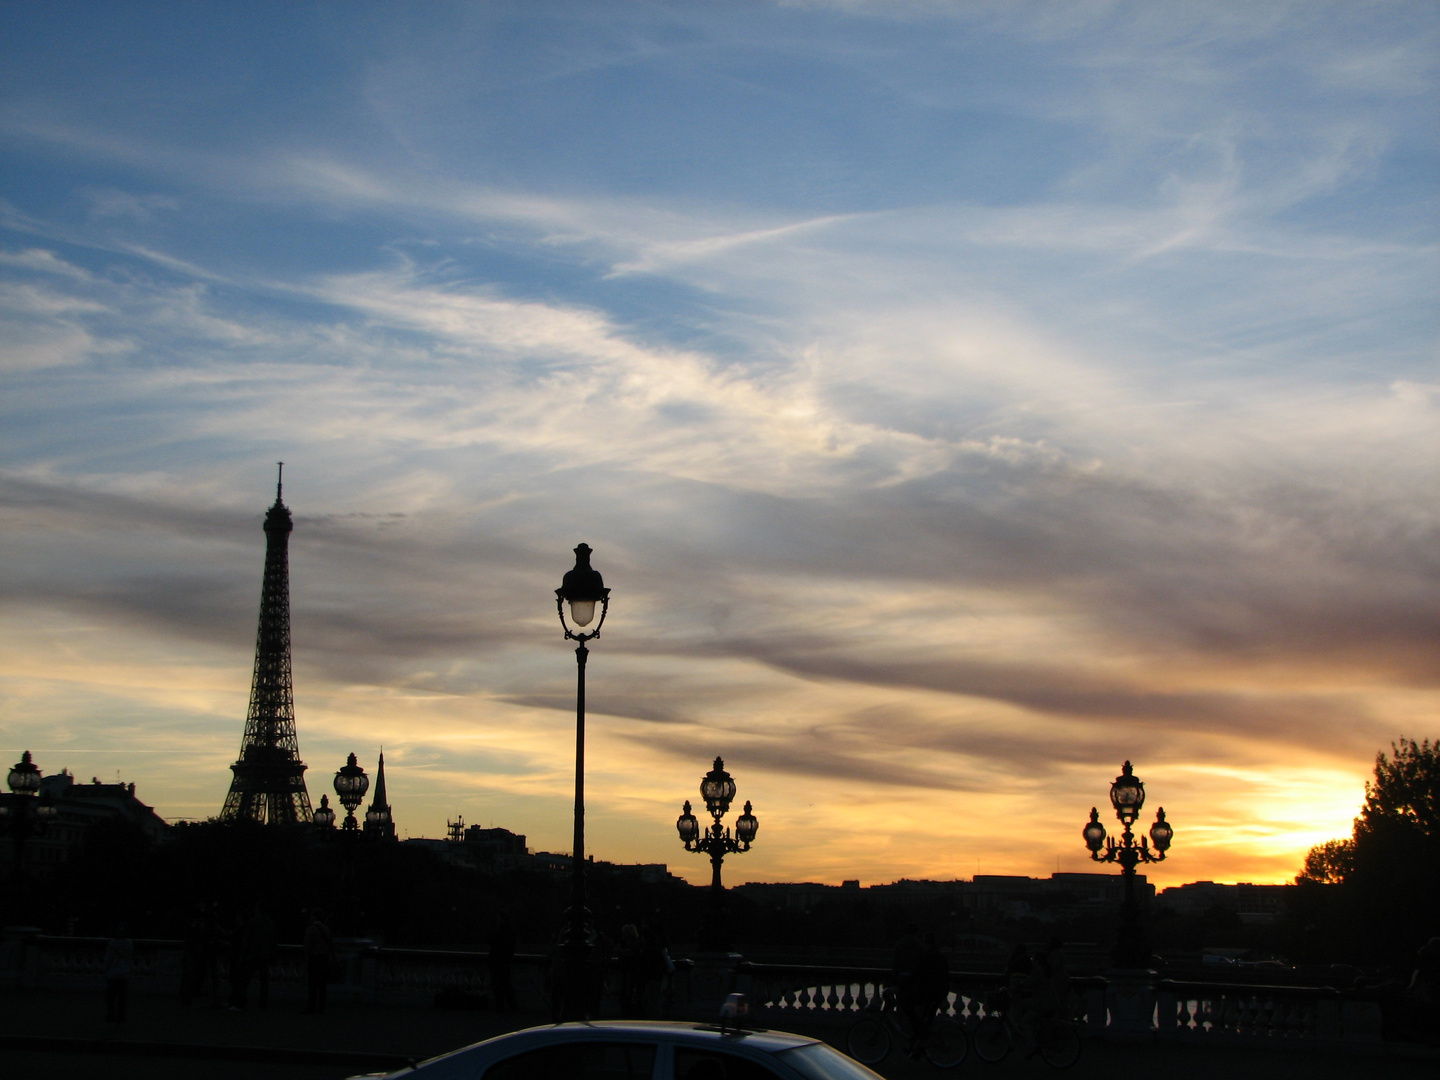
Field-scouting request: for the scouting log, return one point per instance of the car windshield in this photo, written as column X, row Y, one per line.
column 819, row 1062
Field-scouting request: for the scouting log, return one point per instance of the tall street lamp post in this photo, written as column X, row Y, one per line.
column 350, row 785
column 25, row 812
column 581, row 589
column 717, row 788
column 1127, row 796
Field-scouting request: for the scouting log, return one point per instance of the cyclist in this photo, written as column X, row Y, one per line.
column 928, row 991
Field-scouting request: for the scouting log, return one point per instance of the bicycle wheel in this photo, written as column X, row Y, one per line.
column 868, row 1040
column 991, row 1039
column 1059, row 1043
column 946, row 1043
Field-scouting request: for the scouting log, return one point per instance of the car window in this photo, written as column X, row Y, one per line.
column 820, row 1062
column 579, row 1061
column 693, row 1064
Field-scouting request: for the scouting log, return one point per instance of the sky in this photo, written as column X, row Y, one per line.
column 960, row 399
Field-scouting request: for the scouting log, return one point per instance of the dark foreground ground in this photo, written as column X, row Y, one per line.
column 52, row 1036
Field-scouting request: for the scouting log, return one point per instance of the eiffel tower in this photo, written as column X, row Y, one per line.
column 269, row 782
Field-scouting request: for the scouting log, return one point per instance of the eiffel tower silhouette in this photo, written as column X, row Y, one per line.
column 269, row 782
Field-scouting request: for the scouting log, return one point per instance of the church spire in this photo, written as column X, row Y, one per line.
column 269, row 778
column 379, row 822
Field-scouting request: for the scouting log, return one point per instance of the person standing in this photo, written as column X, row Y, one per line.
column 254, row 950
column 119, row 956
column 319, row 958
column 904, row 963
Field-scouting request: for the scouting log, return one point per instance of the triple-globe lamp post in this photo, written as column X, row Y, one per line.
column 717, row 788
column 581, row 590
column 1127, row 796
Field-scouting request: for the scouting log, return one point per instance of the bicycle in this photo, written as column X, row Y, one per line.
column 871, row 1038
column 1057, row 1041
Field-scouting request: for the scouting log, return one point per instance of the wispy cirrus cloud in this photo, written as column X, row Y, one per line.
column 959, row 401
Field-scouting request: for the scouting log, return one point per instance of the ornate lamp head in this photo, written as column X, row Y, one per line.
column 718, row 790
column 746, row 826
column 1161, row 833
column 45, row 809
column 582, row 588
column 351, row 783
column 323, row 817
column 24, row 778
column 1127, row 795
column 687, row 826
column 1094, row 832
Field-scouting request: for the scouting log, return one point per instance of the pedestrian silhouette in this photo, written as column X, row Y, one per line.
column 319, row 959
column 119, row 957
column 502, row 957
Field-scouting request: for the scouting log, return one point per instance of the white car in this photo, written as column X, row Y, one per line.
column 642, row 1050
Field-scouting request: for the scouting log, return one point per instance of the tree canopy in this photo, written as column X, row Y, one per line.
column 1387, row 873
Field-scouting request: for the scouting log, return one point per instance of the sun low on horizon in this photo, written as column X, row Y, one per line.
column 960, row 401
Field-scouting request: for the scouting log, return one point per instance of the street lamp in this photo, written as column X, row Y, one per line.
column 581, row 589
column 717, row 788
column 351, row 783
column 24, row 813
column 1127, row 796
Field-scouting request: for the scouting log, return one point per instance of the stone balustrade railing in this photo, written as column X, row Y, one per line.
column 1124, row 1003
column 363, row 971
column 1242, row 1012
column 1131, row 1005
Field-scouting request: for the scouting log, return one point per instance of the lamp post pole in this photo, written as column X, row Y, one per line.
column 717, row 788
column 581, row 588
column 1127, row 795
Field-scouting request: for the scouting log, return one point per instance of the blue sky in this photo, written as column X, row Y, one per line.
column 959, row 398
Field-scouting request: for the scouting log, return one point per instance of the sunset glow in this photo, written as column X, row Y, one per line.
column 959, row 399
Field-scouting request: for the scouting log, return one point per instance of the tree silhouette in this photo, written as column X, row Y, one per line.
column 1387, row 872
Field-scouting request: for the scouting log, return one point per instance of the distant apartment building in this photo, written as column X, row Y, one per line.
column 495, row 851
column 79, row 808
column 1256, row 905
column 1059, row 896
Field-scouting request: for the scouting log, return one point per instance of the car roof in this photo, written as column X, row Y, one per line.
column 771, row 1042
column 464, row 1061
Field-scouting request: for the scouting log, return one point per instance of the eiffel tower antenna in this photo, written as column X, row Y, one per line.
column 269, row 782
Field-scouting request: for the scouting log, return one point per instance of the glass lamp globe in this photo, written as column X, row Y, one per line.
column 747, row 825
column 687, row 826
column 24, row 778
column 45, row 808
column 717, row 789
column 1161, row 833
column 1094, row 832
column 324, row 817
column 351, row 783
column 1127, row 795
column 582, row 588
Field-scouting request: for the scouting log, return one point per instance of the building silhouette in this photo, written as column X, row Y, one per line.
column 268, row 786
column 79, row 808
